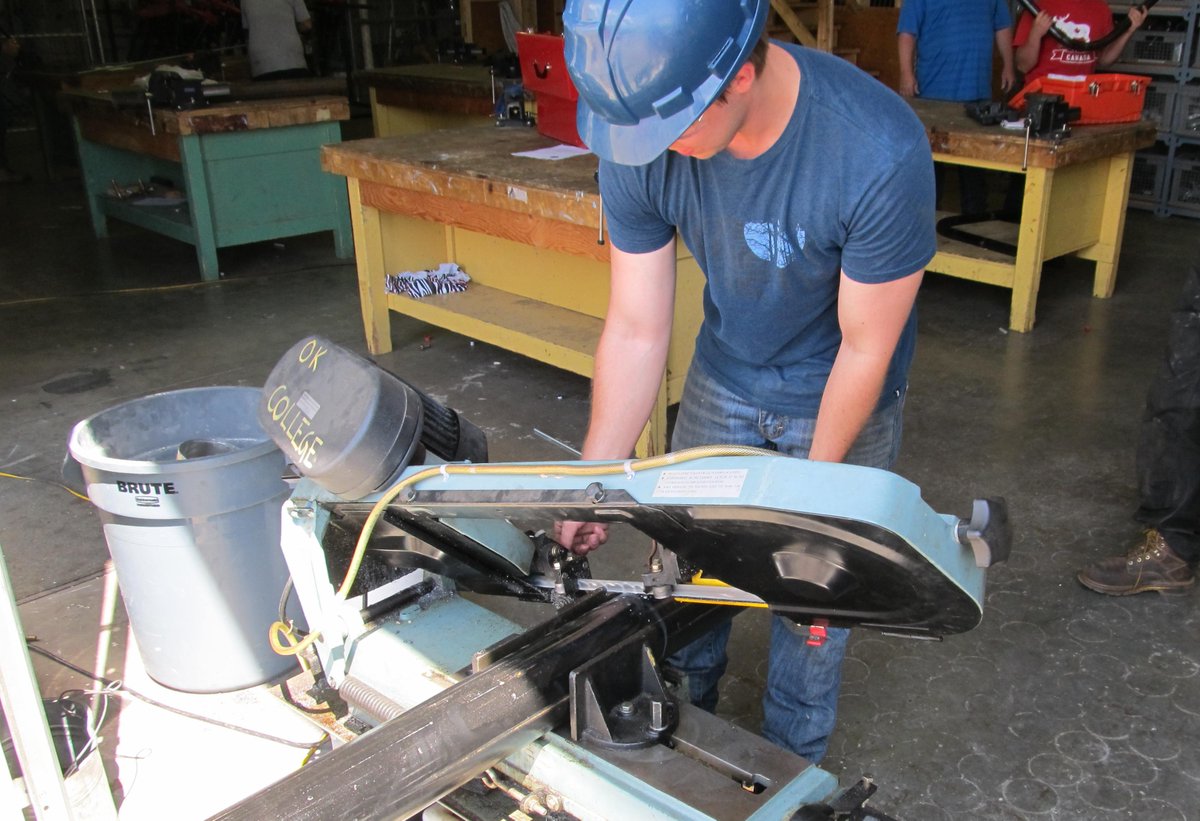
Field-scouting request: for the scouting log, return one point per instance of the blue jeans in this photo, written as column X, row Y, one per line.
column 800, row 702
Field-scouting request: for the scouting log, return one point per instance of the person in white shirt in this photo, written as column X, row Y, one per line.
column 274, row 27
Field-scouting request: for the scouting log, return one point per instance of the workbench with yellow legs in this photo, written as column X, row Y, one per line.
column 1079, row 209
column 1075, row 192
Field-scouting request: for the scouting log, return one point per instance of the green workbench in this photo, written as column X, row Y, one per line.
column 248, row 171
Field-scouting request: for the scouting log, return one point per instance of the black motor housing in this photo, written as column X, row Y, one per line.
column 351, row 426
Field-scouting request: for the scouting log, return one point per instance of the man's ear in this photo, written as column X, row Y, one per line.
column 744, row 78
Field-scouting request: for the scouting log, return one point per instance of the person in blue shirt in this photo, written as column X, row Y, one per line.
column 945, row 49
column 804, row 189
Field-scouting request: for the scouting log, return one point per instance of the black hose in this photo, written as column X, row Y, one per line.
column 1083, row 45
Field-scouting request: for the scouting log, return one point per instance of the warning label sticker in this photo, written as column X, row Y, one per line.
column 693, row 484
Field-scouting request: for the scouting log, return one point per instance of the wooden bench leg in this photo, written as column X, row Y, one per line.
column 1031, row 244
column 368, row 252
column 200, row 206
column 90, row 167
column 1107, row 250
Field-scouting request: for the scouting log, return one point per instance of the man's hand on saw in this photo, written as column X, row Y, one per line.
column 580, row 537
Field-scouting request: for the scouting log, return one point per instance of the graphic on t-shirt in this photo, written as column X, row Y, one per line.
column 769, row 241
column 1067, row 56
column 1076, row 31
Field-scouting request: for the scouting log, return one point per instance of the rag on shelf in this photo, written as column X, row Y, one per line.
column 447, row 278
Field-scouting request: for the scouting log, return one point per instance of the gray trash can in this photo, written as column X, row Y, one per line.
column 189, row 491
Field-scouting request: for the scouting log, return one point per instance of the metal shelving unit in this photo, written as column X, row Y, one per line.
column 1166, row 177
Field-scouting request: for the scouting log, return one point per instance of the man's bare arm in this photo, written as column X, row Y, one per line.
column 871, row 317
column 1008, row 75
column 1137, row 16
column 906, row 47
column 632, row 353
column 1028, row 52
column 630, row 361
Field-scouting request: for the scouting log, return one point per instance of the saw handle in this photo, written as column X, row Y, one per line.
column 989, row 533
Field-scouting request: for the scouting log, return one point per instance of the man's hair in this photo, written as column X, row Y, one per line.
column 757, row 58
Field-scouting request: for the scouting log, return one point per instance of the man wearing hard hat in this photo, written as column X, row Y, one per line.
column 804, row 189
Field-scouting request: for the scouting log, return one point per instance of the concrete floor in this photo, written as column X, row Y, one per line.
column 1062, row 705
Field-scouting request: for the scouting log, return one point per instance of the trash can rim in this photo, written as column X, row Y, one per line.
column 86, row 455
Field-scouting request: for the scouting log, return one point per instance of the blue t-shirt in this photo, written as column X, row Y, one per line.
column 847, row 187
column 954, row 45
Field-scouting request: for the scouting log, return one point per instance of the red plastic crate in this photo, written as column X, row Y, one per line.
column 1100, row 98
column 544, row 72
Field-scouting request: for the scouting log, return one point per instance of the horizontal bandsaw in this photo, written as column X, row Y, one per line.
column 397, row 508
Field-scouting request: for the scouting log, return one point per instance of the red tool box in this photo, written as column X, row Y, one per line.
column 1100, row 98
column 544, row 72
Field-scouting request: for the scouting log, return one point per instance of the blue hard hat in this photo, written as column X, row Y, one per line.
column 645, row 70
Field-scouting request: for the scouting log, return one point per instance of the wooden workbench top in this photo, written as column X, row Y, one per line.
column 233, row 115
column 476, row 165
column 952, row 132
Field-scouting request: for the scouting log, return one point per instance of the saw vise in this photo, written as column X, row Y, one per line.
column 397, row 509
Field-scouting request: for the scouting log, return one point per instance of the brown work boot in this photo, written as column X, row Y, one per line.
column 1151, row 565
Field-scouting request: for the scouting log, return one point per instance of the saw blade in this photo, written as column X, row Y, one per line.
column 707, row 592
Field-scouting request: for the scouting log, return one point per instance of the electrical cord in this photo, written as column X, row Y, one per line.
column 47, row 481
column 287, row 591
column 285, row 629
column 117, row 687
